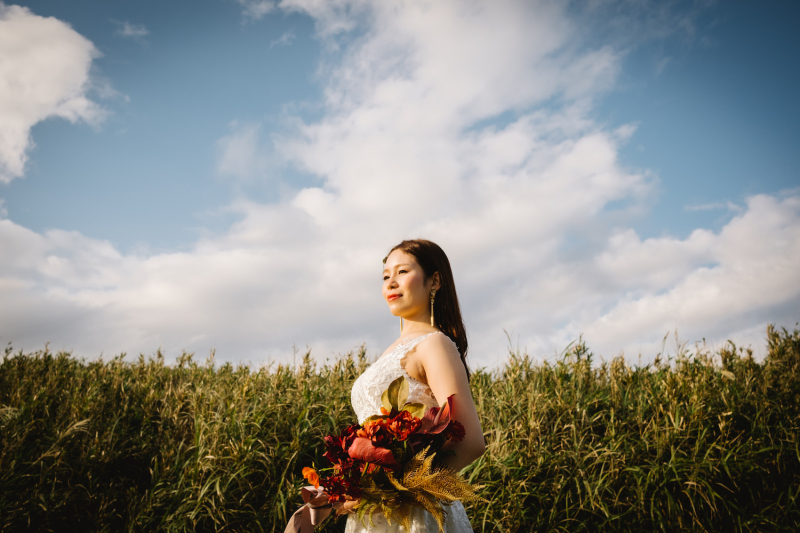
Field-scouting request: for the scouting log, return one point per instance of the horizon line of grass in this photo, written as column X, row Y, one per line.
column 702, row 441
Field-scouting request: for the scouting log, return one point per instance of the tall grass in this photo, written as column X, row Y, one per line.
column 703, row 442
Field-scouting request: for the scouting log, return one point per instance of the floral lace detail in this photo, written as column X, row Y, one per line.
column 366, row 399
column 367, row 389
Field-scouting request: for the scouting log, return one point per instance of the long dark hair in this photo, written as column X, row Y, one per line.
column 446, row 311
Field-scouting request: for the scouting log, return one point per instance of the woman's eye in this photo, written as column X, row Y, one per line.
column 403, row 272
column 385, row 278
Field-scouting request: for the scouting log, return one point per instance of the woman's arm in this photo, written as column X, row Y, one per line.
column 445, row 373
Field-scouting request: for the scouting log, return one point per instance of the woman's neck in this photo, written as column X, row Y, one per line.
column 415, row 328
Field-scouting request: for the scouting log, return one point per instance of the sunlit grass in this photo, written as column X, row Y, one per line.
column 706, row 441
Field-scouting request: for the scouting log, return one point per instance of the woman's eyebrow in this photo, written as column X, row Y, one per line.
column 397, row 266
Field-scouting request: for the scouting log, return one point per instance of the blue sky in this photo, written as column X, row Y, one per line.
column 148, row 170
column 238, row 142
column 720, row 121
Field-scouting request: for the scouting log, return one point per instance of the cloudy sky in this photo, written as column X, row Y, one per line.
column 229, row 174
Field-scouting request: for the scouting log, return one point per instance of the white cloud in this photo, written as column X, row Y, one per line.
column 44, row 72
column 133, row 31
column 240, row 154
column 255, row 9
column 464, row 122
column 279, row 279
column 285, row 39
column 708, row 284
column 730, row 206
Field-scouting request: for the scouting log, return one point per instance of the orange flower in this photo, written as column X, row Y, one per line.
column 403, row 425
column 377, row 431
column 381, row 422
column 311, row 475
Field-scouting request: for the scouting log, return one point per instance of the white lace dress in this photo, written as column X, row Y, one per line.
column 366, row 400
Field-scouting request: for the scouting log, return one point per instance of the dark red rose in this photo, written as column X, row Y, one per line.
column 342, row 488
column 455, row 431
column 338, row 446
column 348, row 435
column 335, row 452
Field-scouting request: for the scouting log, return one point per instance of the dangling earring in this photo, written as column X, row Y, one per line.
column 401, row 325
column 433, row 295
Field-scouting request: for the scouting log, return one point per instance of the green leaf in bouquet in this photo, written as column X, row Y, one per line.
column 416, row 409
column 402, row 394
column 396, row 395
column 385, row 401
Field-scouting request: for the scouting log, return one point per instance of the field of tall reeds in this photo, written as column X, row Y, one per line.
column 702, row 441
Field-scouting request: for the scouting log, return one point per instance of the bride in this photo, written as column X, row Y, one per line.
column 430, row 352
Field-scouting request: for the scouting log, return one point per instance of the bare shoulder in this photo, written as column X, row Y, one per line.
column 441, row 364
column 434, row 352
column 437, row 346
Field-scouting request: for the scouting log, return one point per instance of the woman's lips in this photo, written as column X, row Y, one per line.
column 393, row 297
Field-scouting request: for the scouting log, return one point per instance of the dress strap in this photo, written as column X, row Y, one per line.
column 405, row 347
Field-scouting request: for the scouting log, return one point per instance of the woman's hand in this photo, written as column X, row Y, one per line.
column 347, row 507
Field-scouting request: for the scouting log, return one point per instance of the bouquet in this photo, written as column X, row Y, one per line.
column 389, row 464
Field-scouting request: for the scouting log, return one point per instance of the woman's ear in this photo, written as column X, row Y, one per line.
column 437, row 282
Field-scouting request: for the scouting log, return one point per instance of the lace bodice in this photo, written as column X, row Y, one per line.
column 367, row 389
column 366, row 399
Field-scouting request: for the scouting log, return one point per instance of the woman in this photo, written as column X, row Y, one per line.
column 430, row 352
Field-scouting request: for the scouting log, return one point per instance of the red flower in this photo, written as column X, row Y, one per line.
column 338, row 446
column 364, row 450
column 342, row 488
column 344, row 465
column 435, row 420
column 455, row 431
column 403, row 425
column 348, row 435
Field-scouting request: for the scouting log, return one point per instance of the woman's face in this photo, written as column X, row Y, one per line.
column 404, row 285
